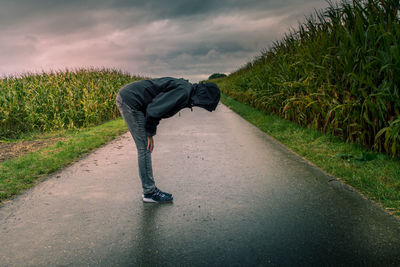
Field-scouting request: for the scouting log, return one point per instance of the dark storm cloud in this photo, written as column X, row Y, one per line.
column 154, row 37
column 80, row 13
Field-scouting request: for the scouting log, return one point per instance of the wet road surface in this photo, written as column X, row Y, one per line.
column 240, row 199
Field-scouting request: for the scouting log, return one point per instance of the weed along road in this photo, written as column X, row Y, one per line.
column 240, row 199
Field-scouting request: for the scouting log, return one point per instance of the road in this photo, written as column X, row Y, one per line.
column 240, row 199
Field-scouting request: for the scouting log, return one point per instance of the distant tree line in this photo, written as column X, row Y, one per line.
column 216, row 75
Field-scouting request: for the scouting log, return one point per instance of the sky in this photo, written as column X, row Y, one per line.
column 153, row 38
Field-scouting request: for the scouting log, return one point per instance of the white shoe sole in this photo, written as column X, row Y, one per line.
column 150, row 200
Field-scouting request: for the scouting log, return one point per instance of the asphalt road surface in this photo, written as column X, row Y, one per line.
column 240, row 199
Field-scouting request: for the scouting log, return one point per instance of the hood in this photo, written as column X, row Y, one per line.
column 206, row 95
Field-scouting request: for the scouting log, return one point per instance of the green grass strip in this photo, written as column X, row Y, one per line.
column 25, row 171
column 377, row 176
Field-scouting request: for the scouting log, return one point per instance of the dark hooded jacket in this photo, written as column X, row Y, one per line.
column 164, row 97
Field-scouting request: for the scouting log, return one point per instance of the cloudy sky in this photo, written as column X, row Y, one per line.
column 179, row 38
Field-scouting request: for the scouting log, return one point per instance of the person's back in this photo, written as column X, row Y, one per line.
column 141, row 93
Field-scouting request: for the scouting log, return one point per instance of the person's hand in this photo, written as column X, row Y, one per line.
column 150, row 143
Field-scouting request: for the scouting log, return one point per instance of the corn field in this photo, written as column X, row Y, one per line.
column 338, row 72
column 59, row 100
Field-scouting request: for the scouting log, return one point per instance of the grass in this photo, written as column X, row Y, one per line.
column 21, row 173
column 377, row 176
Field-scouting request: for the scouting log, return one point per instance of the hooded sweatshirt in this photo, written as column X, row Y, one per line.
column 164, row 97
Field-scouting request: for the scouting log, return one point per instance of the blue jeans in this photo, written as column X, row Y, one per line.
column 135, row 121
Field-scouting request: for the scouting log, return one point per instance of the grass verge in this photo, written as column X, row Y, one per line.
column 377, row 176
column 23, row 172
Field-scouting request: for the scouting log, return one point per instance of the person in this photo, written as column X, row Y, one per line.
column 144, row 103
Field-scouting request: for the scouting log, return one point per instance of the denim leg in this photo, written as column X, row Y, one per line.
column 135, row 121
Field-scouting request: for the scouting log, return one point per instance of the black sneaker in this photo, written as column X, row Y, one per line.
column 168, row 194
column 157, row 196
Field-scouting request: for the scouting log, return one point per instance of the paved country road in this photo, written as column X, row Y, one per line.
column 240, row 199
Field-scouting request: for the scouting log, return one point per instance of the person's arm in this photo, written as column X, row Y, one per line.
column 163, row 104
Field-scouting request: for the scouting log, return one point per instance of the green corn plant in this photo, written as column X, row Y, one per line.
column 59, row 100
column 391, row 137
column 338, row 72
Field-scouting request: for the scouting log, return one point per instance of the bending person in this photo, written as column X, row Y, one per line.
column 144, row 103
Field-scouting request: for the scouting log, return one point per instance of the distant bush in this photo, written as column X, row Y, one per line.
column 216, row 75
column 339, row 73
column 59, row 100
